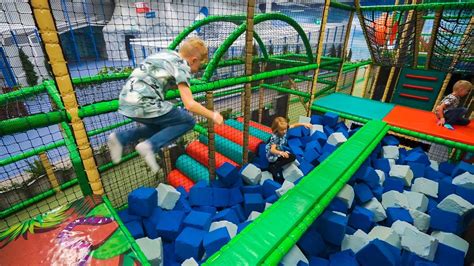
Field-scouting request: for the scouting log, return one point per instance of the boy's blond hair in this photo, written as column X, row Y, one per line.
column 194, row 46
column 460, row 84
column 279, row 123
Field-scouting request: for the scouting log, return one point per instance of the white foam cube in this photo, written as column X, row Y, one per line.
column 425, row 186
column 167, row 196
column 304, row 119
column 456, row 204
column 390, row 152
column 152, row 249
column 381, row 175
column 402, row 171
column 292, row 173
column 452, row 240
column 284, row 188
column 400, row 226
column 336, row 138
column 265, row 176
column 293, row 257
column 394, row 198
column 434, row 164
column 231, row 227
column 465, row 180
column 385, row 234
column 253, row 215
column 419, row 243
column 416, row 200
column 392, row 162
column 421, row 220
column 355, row 242
column 190, row 262
column 267, row 205
column 376, row 207
column 251, row 174
column 315, row 128
column 346, row 194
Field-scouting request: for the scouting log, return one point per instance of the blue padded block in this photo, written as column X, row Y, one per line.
column 328, row 130
column 142, row 201
column 242, row 226
column 446, row 255
column 361, row 218
column 330, row 119
column 306, row 139
column 126, row 217
column 317, row 261
column 346, row 258
column 253, row 202
column 135, row 228
column 338, row 205
column 390, row 141
column 252, row 189
column 182, row 191
column 209, row 209
column 432, row 174
column 368, row 176
column 311, row 156
column 269, row 187
column 213, row 241
column 294, row 133
column 198, row 220
column 300, row 263
column 393, row 183
column 418, row 157
column 149, row 224
column 382, row 164
column 377, row 192
column 305, row 167
column 311, row 243
column 409, row 258
column 235, row 196
column 467, row 194
column 260, row 162
column 313, row 146
column 239, row 211
column 398, row 214
column 261, row 150
column 320, row 137
column 328, row 148
column 295, row 142
column 461, row 168
column 350, row 230
column 305, row 132
column 217, row 183
column 432, row 203
column 296, row 150
column 200, row 196
column 316, row 119
column 227, row 173
column 323, row 157
column 332, row 227
column 446, row 168
column 342, row 125
column 425, row 263
column 169, row 224
column 377, row 253
column 353, row 131
column 239, row 183
column 227, row 215
column 343, row 131
column 189, row 244
column 362, row 193
column 445, row 221
column 446, row 188
column 220, row 197
column 272, row 199
column 418, row 169
column 168, row 249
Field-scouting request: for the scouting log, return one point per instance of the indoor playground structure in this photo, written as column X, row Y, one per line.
column 375, row 182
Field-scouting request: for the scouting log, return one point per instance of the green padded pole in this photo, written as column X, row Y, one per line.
column 192, row 168
column 21, row 93
column 262, row 135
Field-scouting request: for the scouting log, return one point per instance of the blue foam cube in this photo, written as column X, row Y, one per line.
column 260, row 162
column 169, row 224
column 317, row 261
column 337, row 204
column 227, row 215
column 306, row 167
column 465, row 193
column 221, row 197
column 445, row 221
column 445, row 188
column 313, row 146
column 142, row 201
column 253, row 202
column 305, row 132
column 398, row 214
column 432, row 203
column 272, row 199
column 425, row 263
column 213, row 241
column 409, row 258
column 330, row 119
column 311, row 243
column 332, row 227
column 418, row 169
column 209, row 209
column 378, row 253
column 446, row 255
column 169, row 259
column 294, row 132
column 227, row 173
column 461, row 168
column 239, row 211
column 311, row 156
column 328, row 148
column 323, row 157
column 377, row 192
column 446, row 168
column 242, row 226
column 382, row 164
column 328, row 130
column 135, row 228
column 390, row 140
column 149, row 224
column 362, row 193
column 295, row 142
column 182, row 205
column 346, row 258
column 368, row 176
column 393, row 183
column 316, row 119
column 201, row 196
column 432, row 174
column 189, row 244
column 320, row 137
column 342, row 125
column 269, row 187
column 296, row 150
column 361, row 218
column 252, row 189
column 261, row 150
column 198, row 220
column 235, row 196
column 126, row 217
column 417, row 157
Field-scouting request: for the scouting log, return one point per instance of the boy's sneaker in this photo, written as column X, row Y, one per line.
column 146, row 151
column 115, row 148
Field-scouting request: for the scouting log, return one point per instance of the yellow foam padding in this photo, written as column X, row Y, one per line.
column 69, row 100
column 40, row 4
column 45, row 20
column 60, row 71
column 55, row 52
column 50, row 37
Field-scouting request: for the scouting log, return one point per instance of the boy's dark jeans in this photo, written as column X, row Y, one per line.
column 276, row 168
column 455, row 116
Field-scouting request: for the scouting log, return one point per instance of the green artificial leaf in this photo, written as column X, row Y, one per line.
column 116, row 245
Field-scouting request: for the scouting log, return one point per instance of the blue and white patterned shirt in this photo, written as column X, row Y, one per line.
column 143, row 95
column 280, row 142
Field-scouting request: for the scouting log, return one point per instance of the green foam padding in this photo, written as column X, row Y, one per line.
column 264, row 136
column 365, row 108
column 192, row 168
column 226, row 147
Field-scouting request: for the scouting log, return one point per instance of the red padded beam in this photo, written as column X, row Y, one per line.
column 200, row 152
column 421, row 77
column 256, row 125
column 237, row 136
column 176, row 179
column 416, row 87
column 421, row 98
